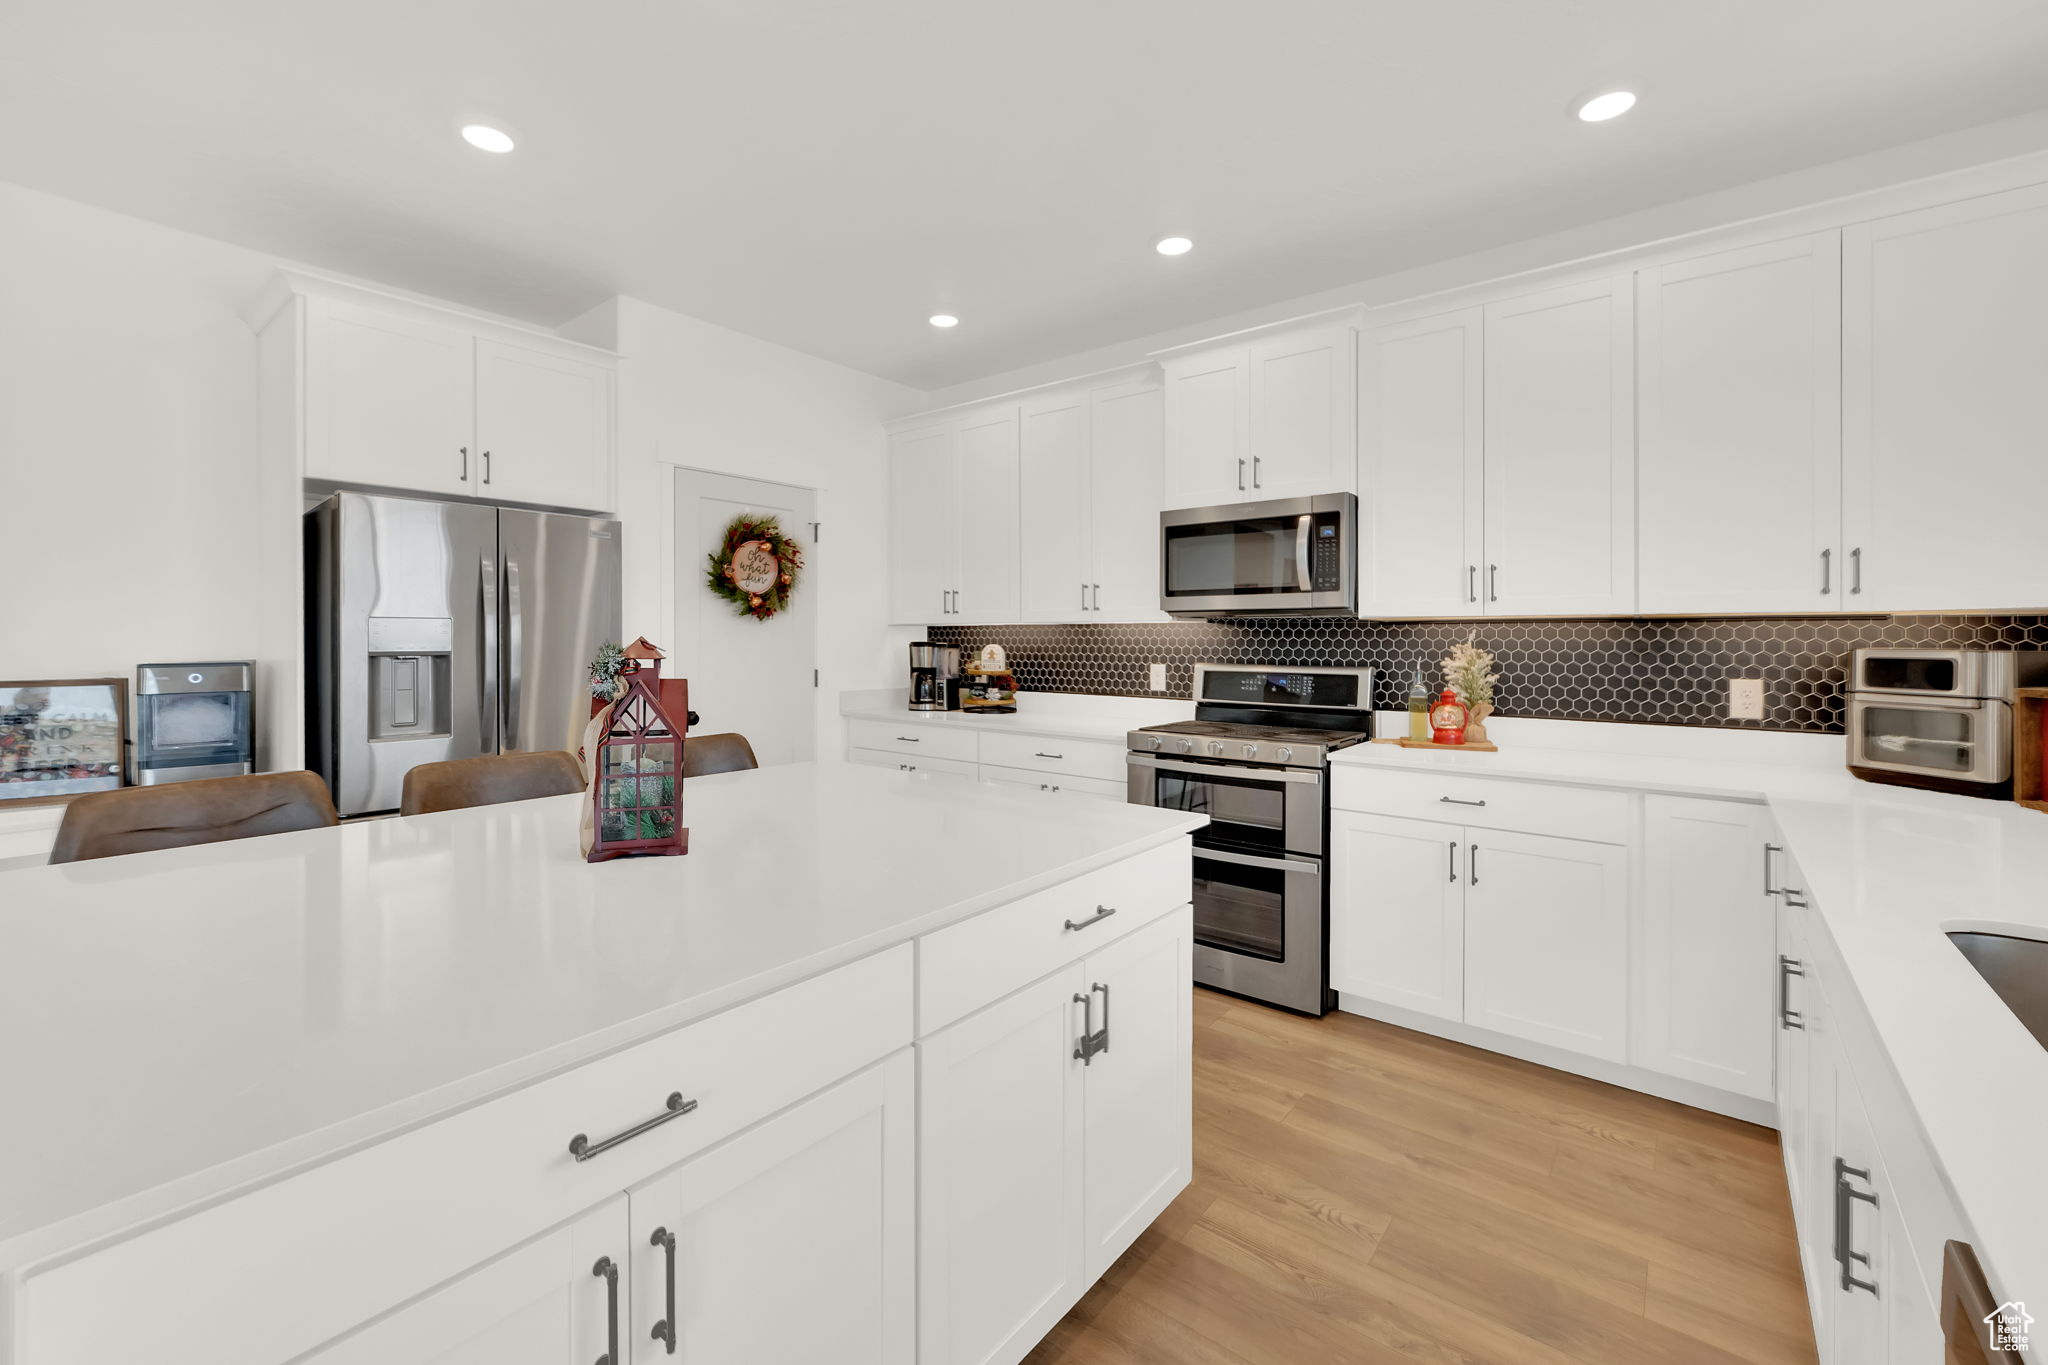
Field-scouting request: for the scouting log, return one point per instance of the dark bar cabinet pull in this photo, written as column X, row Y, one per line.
column 582, row 1148
column 1769, row 849
column 608, row 1271
column 1102, row 912
column 1787, row 1016
column 665, row 1330
column 1454, row 860
column 1846, row 1255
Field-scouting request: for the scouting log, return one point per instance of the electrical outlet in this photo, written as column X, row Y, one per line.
column 1745, row 699
column 1158, row 677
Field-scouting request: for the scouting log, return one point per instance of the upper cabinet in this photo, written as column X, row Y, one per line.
column 1274, row 417
column 1944, row 408
column 1090, row 475
column 953, row 546
column 402, row 396
column 1739, row 470
column 1560, row 453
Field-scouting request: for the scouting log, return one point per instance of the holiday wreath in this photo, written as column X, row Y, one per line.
column 756, row 567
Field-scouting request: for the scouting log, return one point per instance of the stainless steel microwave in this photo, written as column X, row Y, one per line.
column 1291, row 556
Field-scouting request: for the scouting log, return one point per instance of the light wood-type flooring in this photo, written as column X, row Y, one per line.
column 1364, row 1193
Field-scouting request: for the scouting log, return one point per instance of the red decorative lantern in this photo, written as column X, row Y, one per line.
column 636, row 787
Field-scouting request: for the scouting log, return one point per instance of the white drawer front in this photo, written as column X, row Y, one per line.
column 928, row 741
column 913, row 763
column 1486, row 803
column 281, row 1269
column 1071, row 757
column 979, row 961
column 1100, row 788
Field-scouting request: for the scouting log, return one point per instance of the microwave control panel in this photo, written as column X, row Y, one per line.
column 1326, row 553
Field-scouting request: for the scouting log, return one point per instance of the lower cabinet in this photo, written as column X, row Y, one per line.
column 1098, row 787
column 1054, row 1126
column 919, row 763
column 720, row 1270
column 557, row 1300
column 1525, row 934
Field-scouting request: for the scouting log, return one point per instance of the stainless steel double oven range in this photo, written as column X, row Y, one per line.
column 1255, row 761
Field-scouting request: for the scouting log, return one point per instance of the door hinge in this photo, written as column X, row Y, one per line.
column 814, row 677
column 816, row 528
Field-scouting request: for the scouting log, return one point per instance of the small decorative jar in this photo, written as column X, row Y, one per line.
column 1447, row 719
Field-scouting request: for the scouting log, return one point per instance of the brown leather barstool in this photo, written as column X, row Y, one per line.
column 208, row 811
column 704, row 755
column 486, row 781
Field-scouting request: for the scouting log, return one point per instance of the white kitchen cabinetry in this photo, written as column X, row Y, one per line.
column 1705, row 1001
column 1944, row 415
column 1397, row 912
column 1560, row 453
column 717, row 1237
column 548, row 1302
column 953, row 546
column 1271, row 417
column 1422, row 474
column 1089, row 500
column 404, row 399
column 1739, row 469
column 1028, row 1186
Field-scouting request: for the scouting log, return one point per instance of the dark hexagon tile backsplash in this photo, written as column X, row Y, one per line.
column 1665, row 671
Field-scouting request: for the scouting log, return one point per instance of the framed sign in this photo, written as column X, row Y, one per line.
column 62, row 739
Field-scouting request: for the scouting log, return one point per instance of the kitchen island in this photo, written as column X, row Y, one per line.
column 841, row 1083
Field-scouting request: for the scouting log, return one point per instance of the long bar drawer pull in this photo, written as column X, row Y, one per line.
column 1845, row 1226
column 1454, row 801
column 1787, row 1016
column 1046, row 755
column 1102, row 912
column 582, row 1148
column 608, row 1271
column 907, row 739
column 665, row 1330
column 1770, row 890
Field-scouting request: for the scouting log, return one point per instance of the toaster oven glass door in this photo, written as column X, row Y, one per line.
column 1969, row 741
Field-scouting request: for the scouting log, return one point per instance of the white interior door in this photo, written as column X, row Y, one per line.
column 752, row 677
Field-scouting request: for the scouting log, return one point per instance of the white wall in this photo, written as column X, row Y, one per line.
column 694, row 395
column 128, row 413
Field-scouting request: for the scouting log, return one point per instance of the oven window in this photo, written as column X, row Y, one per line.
column 1224, row 558
column 1243, row 812
column 1241, row 909
column 1939, row 741
column 1910, row 675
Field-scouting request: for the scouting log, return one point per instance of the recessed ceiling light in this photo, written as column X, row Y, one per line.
column 1601, row 108
column 944, row 320
column 485, row 138
column 1174, row 246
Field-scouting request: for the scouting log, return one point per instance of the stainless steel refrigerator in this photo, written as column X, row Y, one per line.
column 440, row 630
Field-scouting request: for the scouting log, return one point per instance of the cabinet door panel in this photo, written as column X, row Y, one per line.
column 1421, row 484
column 543, row 427
column 1397, row 918
column 1560, row 453
column 1138, row 1095
column 539, row 1304
column 1208, row 462
column 1706, row 1005
column 1054, row 508
column 923, row 549
column 1944, row 415
column 1126, row 493
column 1000, row 1175
column 1302, row 418
column 390, row 401
column 1739, row 469
column 793, row 1240
column 1546, row 941
column 984, row 520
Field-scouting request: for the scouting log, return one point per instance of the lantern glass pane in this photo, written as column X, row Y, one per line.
column 658, row 758
column 617, row 826
column 657, row 824
column 619, row 758
column 621, row 792
column 657, row 791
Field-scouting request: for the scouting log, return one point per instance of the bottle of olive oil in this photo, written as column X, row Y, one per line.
column 1418, row 707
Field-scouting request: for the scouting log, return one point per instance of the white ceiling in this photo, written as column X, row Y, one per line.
column 826, row 174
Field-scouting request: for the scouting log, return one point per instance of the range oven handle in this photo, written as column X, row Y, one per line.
column 1241, row 774
column 1249, row 860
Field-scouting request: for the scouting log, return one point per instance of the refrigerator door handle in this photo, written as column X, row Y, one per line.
column 487, row 684
column 512, row 655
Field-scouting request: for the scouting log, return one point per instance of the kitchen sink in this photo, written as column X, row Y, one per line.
column 2017, row 969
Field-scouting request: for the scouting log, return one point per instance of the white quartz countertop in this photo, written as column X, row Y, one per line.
column 181, row 1023
column 1052, row 715
column 1891, row 871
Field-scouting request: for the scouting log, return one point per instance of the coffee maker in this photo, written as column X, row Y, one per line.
column 934, row 677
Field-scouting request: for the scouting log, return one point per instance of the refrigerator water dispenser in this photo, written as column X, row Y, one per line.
column 409, row 673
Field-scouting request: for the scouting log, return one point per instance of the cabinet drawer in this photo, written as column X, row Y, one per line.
column 1098, row 787
column 1486, row 803
column 978, row 961
column 912, row 763
column 282, row 1268
column 931, row 741
column 1071, row 757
